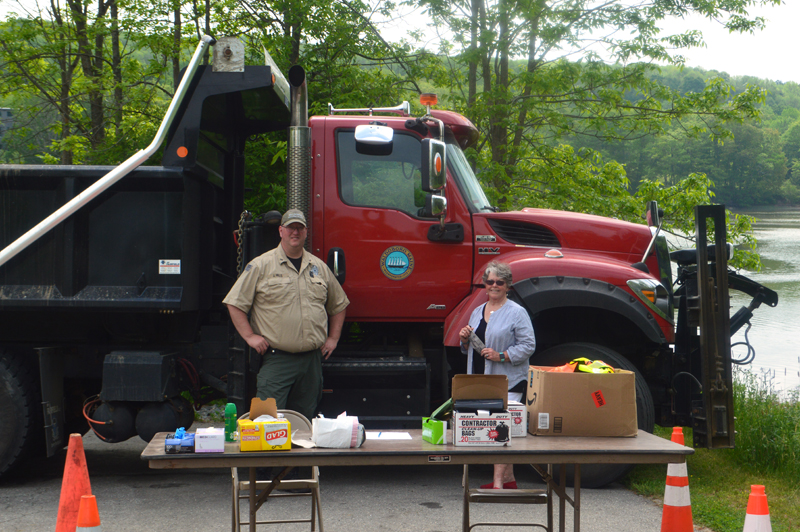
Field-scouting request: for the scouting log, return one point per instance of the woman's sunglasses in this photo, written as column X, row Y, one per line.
column 490, row 282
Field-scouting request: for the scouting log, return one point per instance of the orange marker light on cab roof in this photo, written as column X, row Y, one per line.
column 182, row 152
column 428, row 98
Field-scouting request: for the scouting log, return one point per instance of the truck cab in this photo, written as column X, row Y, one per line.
column 369, row 213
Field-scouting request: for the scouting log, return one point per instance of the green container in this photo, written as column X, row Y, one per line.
column 434, row 431
column 230, row 421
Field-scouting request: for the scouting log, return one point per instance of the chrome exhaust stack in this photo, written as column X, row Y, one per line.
column 298, row 153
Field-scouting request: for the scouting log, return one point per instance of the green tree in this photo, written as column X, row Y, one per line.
column 751, row 167
column 587, row 71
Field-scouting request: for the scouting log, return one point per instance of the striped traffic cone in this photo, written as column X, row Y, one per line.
column 757, row 518
column 88, row 517
column 677, row 516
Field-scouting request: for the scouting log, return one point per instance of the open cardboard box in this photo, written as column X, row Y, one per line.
column 581, row 404
column 264, row 435
column 478, row 428
column 480, row 387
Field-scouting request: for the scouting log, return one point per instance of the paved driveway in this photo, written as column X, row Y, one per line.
column 132, row 497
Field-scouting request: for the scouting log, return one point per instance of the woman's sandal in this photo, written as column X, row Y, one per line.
column 506, row 486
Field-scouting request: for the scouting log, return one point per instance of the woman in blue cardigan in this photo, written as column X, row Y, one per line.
column 506, row 330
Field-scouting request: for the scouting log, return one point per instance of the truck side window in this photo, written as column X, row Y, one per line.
column 388, row 181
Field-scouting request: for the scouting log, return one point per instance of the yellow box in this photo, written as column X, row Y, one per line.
column 265, row 435
column 249, row 435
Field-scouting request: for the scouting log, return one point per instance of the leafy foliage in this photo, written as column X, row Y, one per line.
column 583, row 122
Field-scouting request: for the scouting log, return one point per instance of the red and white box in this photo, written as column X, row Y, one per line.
column 482, row 428
column 519, row 419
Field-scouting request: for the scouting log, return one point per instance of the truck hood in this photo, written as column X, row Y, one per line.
column 569, row 230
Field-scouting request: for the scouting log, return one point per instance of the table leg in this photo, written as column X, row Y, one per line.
column 576, row 503
column 465, row 511
column 562, row 502
column 253, row 508
column 549, row 498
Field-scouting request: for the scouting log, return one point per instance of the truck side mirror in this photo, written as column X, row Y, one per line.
column 653, row 214
column 374, row 139
column 435, row 206
column 434, row 165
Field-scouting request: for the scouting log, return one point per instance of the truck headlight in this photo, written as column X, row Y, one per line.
column 653, row 295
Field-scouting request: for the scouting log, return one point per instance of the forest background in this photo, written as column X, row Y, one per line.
column 581, row 105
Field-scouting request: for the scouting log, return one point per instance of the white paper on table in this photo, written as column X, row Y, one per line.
column 372, row 435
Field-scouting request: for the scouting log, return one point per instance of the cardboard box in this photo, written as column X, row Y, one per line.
column 264, row 435
column 209, row 440
column 581, row 404
column 482, row 428
column 434, row 430
column 480, row 387
column 519, row 419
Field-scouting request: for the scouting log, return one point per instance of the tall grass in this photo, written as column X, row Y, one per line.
column 767, row 425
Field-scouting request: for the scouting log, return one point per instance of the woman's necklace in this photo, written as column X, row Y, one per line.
column 498, row 308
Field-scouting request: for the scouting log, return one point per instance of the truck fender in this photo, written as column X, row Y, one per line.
column 538, row 294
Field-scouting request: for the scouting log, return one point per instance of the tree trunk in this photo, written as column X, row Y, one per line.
column 472, row 76
column 92, row 65
column 176, row 44
column 116, row 67
column 498, row 128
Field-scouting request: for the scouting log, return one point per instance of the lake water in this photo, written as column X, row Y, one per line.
column 776, row 331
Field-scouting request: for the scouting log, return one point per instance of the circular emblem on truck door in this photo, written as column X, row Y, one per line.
column 397, row 263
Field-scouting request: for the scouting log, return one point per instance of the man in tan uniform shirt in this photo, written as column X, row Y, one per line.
column 289, row 294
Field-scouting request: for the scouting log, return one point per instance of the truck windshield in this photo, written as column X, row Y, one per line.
column 468, row 183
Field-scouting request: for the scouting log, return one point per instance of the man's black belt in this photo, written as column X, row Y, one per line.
column 282, row 352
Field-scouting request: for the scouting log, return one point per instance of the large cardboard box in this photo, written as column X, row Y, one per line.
column 481, row 428
column 581, row 404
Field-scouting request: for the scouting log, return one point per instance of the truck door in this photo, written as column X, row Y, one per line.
column 372, row 213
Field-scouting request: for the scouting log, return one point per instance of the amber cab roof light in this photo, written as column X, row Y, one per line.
column 428, row 99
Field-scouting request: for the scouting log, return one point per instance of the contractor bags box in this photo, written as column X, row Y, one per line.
column 481, row 427
column 581, row 404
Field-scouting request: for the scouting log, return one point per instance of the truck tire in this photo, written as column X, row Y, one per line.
column 599, row 475
column 19, row 410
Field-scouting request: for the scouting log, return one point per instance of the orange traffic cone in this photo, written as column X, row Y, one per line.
column 88, row 517
column 757, row 518
column 677, row 516
column 73, row 486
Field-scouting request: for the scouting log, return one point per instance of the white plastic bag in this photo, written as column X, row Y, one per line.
column 340, row 433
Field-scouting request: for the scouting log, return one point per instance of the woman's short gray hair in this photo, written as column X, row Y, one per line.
column 499, row 269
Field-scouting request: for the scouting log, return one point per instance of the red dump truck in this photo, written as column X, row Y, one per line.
column 112, row 279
